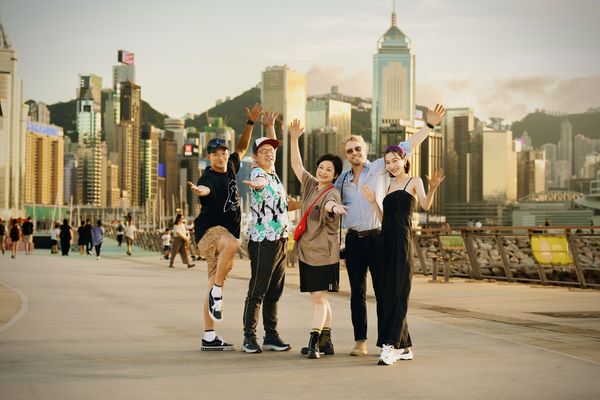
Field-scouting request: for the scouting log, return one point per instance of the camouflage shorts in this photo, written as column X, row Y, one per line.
column 207, row 247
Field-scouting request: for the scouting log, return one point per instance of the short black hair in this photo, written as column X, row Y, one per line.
column 338, row 165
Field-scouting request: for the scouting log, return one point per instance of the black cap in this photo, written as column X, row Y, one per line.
column 214, row 144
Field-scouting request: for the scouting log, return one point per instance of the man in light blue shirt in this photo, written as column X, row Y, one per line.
column 364, row 247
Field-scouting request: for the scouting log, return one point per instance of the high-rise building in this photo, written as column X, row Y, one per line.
column 458, row 127
column 169, row 170
column 44, row 164
column 150, row 147
column 531, row 173
column 328, row 125
column 582, row 146
column 39, row 112
column 499, row 167
column 13, row 119
column 562, row 173
column 551, row 156
column 565, row 145
column 130, row 133
column 284, row 91
column 92, row 153
column 393, row 84
column 177, row 126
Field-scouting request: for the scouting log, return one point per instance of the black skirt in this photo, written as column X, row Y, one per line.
column 323, row 277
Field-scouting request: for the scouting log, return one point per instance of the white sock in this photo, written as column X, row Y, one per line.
column 217, row 291
column 209, row 336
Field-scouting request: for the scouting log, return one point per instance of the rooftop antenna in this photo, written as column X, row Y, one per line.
column 394, row 13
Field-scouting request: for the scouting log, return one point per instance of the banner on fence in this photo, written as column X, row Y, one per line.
column 553, row 250
column 452, row 242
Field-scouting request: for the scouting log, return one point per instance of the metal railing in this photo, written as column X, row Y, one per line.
column 505, row 253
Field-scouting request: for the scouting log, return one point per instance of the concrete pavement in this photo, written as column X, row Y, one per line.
column 129, row 327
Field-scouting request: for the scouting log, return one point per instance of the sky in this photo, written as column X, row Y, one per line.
column 503, row 58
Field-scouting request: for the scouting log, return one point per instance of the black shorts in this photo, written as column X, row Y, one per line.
column 53, row 242
column 322, row 277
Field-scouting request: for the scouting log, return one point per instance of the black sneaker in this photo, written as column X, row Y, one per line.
column 251, row 346
column 214, row 307
column 216, row 345
column 274, row 342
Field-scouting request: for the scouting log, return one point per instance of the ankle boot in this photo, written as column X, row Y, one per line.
column 325, row 343
column 313, row 345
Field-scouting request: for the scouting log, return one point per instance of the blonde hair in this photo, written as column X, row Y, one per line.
column 356, row 138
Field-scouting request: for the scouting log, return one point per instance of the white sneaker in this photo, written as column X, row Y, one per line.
column 403, row 354
column 387, row 356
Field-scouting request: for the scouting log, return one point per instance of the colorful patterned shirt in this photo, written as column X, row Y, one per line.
column 269, row 209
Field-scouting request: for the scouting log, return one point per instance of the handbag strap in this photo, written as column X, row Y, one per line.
column 315, row 202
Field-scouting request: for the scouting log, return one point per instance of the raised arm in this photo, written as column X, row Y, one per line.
column 268, row 122
column 432, row 118
column 296, row 131
column 434, row 182
column 242, row 145
column 370, row 196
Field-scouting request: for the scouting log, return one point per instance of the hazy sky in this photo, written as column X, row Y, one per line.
column 501, row 57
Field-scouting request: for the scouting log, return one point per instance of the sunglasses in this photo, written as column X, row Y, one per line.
column 357, row 149
column 266, row 151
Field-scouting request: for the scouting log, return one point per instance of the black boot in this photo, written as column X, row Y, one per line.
column 325, row 343
column 313, row 345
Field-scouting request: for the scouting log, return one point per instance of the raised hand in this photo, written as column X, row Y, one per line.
column 268, row 118
column 369, row 194
column 296, row 129
column 256, row 112
column 436, row 180
column 434, row 117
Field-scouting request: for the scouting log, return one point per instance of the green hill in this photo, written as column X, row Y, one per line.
column 545, row 128
column 63, row 114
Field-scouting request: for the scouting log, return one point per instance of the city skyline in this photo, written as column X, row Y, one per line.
column 503, row 59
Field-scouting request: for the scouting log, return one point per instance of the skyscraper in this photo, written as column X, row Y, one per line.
column 44, row 164
column 499, row 167
column 284, row 91
column 328, row 125
column 13, row 117
column 130, row 133
column 92, row 153
column 393, row 84
column 565, row 145
column 150, row 147
column 551, row 156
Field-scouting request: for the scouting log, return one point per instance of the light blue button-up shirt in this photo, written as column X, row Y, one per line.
column 361, row 215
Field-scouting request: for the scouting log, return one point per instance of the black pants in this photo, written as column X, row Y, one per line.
column 119, row 239
column 362, row 254
column 267, row 263
column 65, row 246
column 88, row 247
column 97, row 247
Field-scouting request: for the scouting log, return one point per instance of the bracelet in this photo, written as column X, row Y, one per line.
column 249, row 122
column 429, row 125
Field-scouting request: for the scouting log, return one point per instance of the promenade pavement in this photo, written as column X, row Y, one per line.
column 130, row 328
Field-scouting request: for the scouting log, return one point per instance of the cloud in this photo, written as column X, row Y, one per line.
column 319, row 80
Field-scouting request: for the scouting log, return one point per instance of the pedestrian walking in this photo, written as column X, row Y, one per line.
column 2, row 235
column 27, row 230
column 54, row 236
column 166, row 243
column 181, row 240
column 129, row 231
column 15, row 237
column 65, row 237
column 98, row 237
column 120, row 231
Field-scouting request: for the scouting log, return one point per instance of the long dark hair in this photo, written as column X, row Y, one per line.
column 177, row 219
column 401, row 153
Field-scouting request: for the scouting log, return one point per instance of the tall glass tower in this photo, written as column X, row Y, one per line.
column 393, row 83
